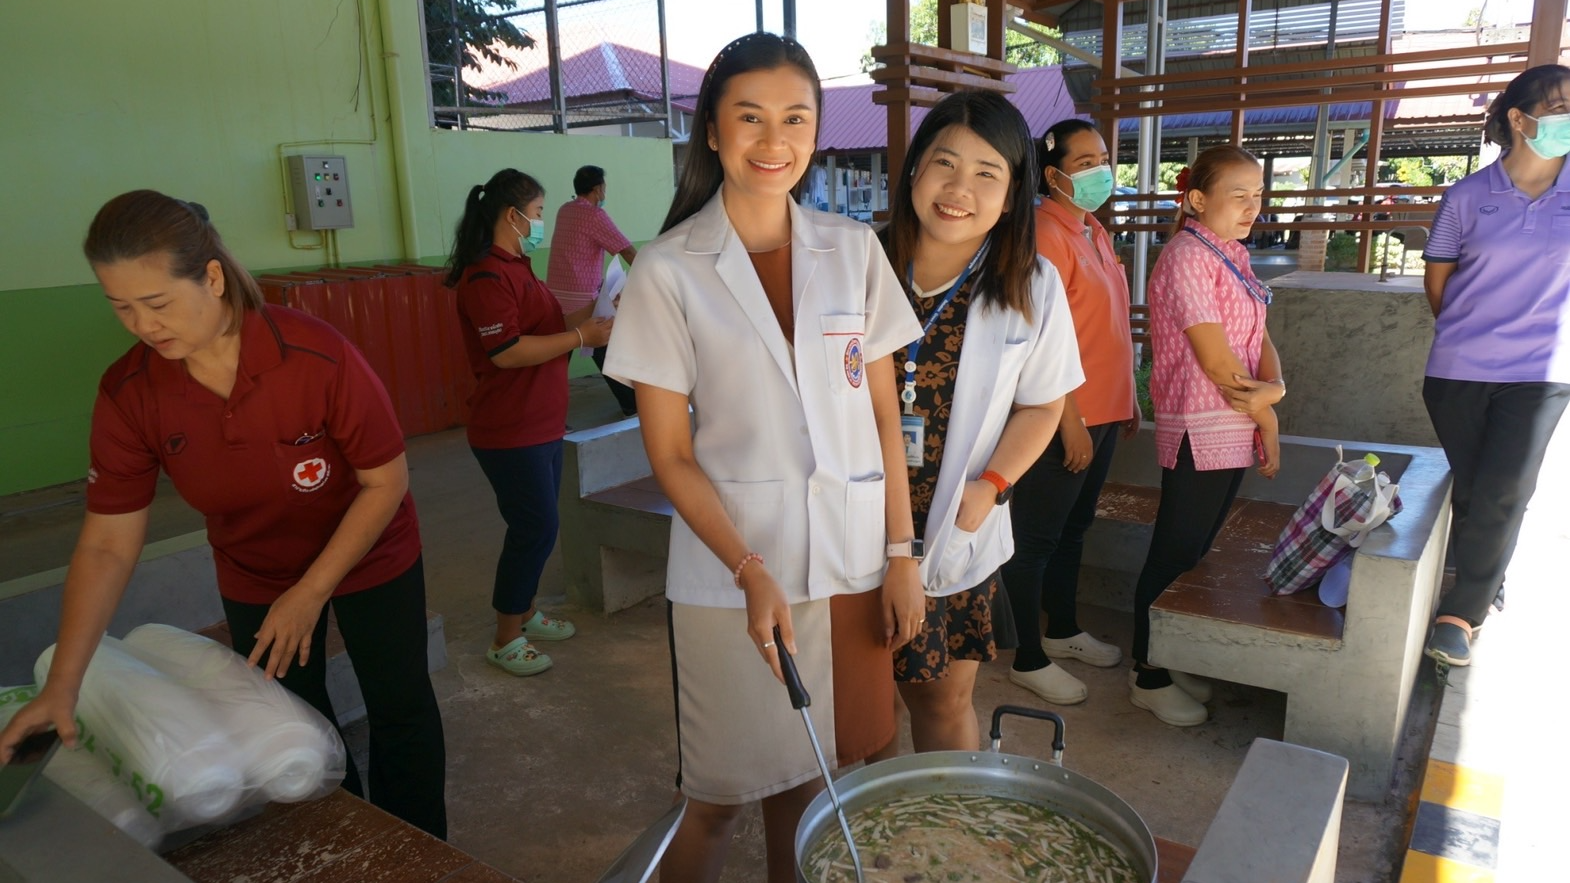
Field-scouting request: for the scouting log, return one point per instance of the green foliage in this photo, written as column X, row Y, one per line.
column 1341, row 252
column 1424, row 171
column 1147, row 410
column 1018, row 49
column 465, row 32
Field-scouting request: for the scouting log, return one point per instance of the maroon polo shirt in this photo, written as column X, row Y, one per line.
column 500, row 300
column 272, row 468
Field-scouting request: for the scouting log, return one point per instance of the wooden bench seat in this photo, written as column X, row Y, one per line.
column 1229, row 583
column 338, row 839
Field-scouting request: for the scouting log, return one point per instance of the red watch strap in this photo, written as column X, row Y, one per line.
column 997, row 481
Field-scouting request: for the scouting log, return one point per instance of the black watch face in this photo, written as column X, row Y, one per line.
column 918, row 549
column 1006, row 495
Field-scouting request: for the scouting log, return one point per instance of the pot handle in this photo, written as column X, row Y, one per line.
column 1038, row 714
column 799, row 698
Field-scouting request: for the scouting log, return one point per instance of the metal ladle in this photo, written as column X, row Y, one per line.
column 800, row 700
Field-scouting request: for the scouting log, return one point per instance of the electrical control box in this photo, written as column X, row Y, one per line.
column 320, row 186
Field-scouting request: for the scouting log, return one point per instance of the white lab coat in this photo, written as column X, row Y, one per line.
column 788, row 439
column 1004, row 361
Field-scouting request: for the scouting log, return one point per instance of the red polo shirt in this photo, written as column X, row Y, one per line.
column 271, row 468
column 499, row 301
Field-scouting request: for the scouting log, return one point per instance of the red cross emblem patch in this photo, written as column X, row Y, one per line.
column 310, row 475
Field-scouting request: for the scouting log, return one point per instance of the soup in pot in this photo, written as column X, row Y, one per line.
column 960, row 838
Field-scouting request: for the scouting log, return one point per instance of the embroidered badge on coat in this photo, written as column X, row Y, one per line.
column 855, row 366
column 310, row 475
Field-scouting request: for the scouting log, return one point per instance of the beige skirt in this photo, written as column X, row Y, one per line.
column 739, row 738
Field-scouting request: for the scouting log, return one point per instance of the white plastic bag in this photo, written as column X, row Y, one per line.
column 89, row 780
column 157, row 736
column 289, row 751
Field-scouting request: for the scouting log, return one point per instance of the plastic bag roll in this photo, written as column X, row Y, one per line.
column 290, row 751
column 157, row 735
column 90, row 781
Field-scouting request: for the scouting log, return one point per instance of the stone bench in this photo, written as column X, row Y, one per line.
column 615, row 520
column 174, row 584
column 1280, row 820
column 1348, row 675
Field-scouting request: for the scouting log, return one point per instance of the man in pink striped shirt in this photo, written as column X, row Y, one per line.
column 583, row 234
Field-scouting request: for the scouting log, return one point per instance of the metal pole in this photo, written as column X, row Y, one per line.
column 790, row 18
column 1149, row 156
column 553, row 54
column 760, row 15
column 665, row 68
column 1321, row 157
column 457, row 63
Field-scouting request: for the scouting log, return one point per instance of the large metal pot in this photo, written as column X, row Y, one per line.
column 993, row 774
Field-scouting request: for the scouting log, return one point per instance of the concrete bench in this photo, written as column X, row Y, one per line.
column 175, row 584
column 615, row 520
column 1348, row 675
column 1280, row 821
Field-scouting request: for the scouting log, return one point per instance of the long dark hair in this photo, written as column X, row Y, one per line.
column 1529, row 89
column 702, row 175
column 143, row 222
column 508, row 188
column 1006, row 272
column 1053, row 147
column 1207, row 168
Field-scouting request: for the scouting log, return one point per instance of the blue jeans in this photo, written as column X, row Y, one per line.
column 527, row 482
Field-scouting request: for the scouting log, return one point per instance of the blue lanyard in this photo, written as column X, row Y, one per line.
column 908, row 394
column 1257, row 290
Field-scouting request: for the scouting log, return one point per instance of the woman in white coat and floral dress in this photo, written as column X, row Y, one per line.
column 982, row 388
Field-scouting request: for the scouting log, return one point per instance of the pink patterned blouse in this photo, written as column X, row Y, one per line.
column 1190, row 285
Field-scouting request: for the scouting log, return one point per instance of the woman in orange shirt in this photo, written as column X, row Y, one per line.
column 1055, row 501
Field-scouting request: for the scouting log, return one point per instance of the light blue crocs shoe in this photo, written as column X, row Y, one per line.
column 519, row 658
column 540, row 627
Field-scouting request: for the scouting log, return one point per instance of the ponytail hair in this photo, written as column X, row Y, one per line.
column 1202, row 176
column 144, row 222
column 508, row 188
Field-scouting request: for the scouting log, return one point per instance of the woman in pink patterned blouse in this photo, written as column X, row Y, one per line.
column 1215, row 379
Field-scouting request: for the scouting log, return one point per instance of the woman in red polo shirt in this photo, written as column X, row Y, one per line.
column 518, row 343
column 271, row 425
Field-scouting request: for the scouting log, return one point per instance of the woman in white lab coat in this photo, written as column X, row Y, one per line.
column 775, row 325
column 982, row 388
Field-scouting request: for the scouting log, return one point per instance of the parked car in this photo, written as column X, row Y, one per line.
column 1164, row 211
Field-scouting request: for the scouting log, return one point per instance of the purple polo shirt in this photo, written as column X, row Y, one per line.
column 1505, row 317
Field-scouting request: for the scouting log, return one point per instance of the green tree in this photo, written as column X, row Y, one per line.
column 462, row 33
column 1018, row 49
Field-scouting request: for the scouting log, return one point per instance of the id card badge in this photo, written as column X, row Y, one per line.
column 913, row 429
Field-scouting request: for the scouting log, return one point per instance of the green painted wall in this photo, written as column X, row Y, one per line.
column 202, row 99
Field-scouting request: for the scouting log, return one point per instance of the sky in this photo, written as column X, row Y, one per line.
column 835, row 32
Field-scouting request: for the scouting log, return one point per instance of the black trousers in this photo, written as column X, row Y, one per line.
column 527, row 482
column 1494, row 435
column 383, row 629
column 1051, row 510
column 625, row 396
column 1194, row 507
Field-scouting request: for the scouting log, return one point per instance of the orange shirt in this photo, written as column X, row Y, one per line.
column 1098, row 300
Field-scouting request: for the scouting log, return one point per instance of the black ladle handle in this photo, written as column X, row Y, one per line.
column 1038, row 714
column 799, row 697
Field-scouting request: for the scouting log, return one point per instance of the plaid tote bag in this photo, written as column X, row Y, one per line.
column 1334, row 520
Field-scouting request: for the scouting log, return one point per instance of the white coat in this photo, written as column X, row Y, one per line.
column 1004, row 361
column 787, row 438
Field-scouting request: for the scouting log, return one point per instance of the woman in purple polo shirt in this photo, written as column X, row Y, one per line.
column 1498, row 376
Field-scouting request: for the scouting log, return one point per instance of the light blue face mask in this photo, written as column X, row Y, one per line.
column 536, row 235
column 1553, row 135
column 1092, row 188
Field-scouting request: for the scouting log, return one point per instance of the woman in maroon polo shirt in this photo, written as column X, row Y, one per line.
column 518, row 343
column 271, row 425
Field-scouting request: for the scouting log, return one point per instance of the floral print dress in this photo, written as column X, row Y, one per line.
column 973, row 624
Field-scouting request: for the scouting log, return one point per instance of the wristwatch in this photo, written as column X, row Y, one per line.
column 913, row 549
column 1005, row 488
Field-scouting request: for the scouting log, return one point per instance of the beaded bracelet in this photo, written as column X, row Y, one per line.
column 751, row 557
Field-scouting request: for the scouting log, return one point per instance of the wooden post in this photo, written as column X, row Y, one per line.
column 997, row 27
column 945, row 19
column 1548, row 25
column 1243, row 9
column 1111, row 67
column 1376, row 135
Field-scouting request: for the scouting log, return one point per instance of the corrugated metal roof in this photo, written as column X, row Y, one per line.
column 852, row 123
